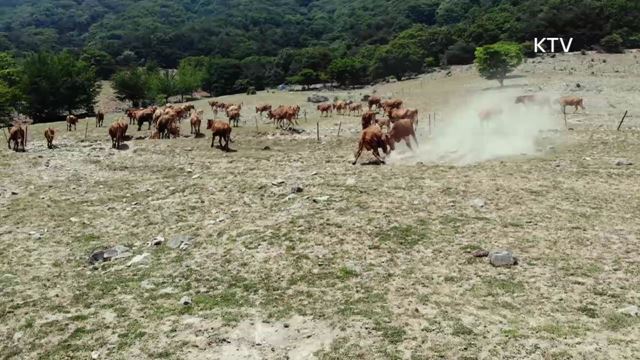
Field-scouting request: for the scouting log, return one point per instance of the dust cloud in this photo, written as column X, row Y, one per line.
column 460, row 137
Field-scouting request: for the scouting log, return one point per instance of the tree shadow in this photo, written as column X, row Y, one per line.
column 373, row 162
column 123, row 147
column 199, row 136
column 229, row 150
column 511, row 86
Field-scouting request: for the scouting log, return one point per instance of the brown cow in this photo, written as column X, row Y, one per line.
column 117, row 131
column 233, row 115
column 355, row 108
column 130, row 112
column 325, row 109
column 222, row 130
column 388, row 105
column 283, row 114
column 99, row 119
column 372, row 139
column 384, row 123
column 145, row 115
column 196, row 120
column 164, row 124
column 397, row 114
column 402, row 130
column 340, row 106
column 49, row 134
column 374, row 100
column 537, row 100
column 368, row 118
column 72, row 120
column 262, row 109
column 489, row 113
column 174, row 130
column 574, row 101
column 17, row 135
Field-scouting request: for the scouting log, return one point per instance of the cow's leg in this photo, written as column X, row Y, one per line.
column 413, row 134
column 213, row 139
column 358, row 153
column 408, row 142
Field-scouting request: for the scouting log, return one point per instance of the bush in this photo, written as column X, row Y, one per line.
column 612, row 43
column 495, row 61
column 459, row 53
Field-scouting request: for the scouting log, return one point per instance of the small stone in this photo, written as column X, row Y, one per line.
column 320, row 199
column 623, row 162
column 180, row 242
column 158, row 240
column 146, row 284
column 142, row 259
column 17, row 336
column 14, row 193
column 266, row 148
column 95, row 355
column 351, row 181
column 296, row 189
column 480, row 253
column 630, row 310
column 189, row 171
column 478, row 203
column 167, row 290
column 277, row 182
column 73, row 219
column 186, row 301
column 502, row 258
column 195, row 176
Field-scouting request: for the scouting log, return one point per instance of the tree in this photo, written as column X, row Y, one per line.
column 56, row 84
column 221, row 75
column 305, row 77
column 348, row 71
column 612, row 43
column 6, row 104
column 9, row 95
column 459, row 53
column 397, row 59
column 188, row 79
column 495, row 61
column 101, row 61
column 163, row 85
column 132, row 85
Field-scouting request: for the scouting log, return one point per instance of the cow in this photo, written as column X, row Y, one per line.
column 397, row 114
column 368, row 118
column 196, row 120
column 99, row 119
column 164, row 123
column 234, row 116
column 17, row 135
column 489, row 113
column 536, row 100
column 402, row 130
column 574, row 101
column 374, row 100
column 282, row 114
column 340, row 107
column 222, row 131
column 385, row 122
column 117, row 132
column 72, row 120
column 391, row 104
column 262, row 109
column 372, row 139
column 130, row 112
column 144, row 115
column 49, row 135
column 355, row 108
column 174, row 129
column 325, row 109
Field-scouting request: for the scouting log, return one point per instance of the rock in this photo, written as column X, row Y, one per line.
column 296, row 189
column 167, row 290
column 315, row 98
column 277, row 182
column 478, row 203
column 180, row 242
column 351, row 181
column 630, row 310
column 146, row 284
column 186, row 301
column 158, row 240
column 14, row 192
column 17, row 336
column 195, row 176
column 138, row 260
column 480, row 253
column 95, row 355
column 502, row 258
column 578, row 85
column 116, row 252
column 623, row 162
column 266, row 148
column 320, row 199
column 73, row 219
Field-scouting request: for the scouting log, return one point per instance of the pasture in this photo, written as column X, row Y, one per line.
column 294, row 252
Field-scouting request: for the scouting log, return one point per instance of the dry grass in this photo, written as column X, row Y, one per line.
column 379, row 269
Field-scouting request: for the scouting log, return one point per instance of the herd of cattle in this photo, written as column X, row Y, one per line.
column 400, row 123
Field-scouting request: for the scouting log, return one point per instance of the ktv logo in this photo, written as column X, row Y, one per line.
column 538, row 44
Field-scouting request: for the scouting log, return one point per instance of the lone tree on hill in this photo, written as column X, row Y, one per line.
column 495, row 61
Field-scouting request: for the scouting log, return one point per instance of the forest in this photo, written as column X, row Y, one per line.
column 229, row 46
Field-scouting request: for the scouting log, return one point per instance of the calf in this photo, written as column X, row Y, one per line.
column 402, row 130
column 99, row 119
column 340, row 107
column 117, row 131
column 372, row 139
column 145, row 115
column 130, row 112
column 262, row 109
column 574, row 101
column 234, row 116
column 222, row 131
column 355, row 108
column 17, row 135
column 388, row 105
column 196, row 120
column 49, row 134
column 397, row 114
column 72, row 120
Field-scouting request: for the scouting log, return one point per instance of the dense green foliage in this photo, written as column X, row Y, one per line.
column 226, row 46
column 495, row 62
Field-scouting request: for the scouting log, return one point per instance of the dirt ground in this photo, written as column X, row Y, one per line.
column 293, row 252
